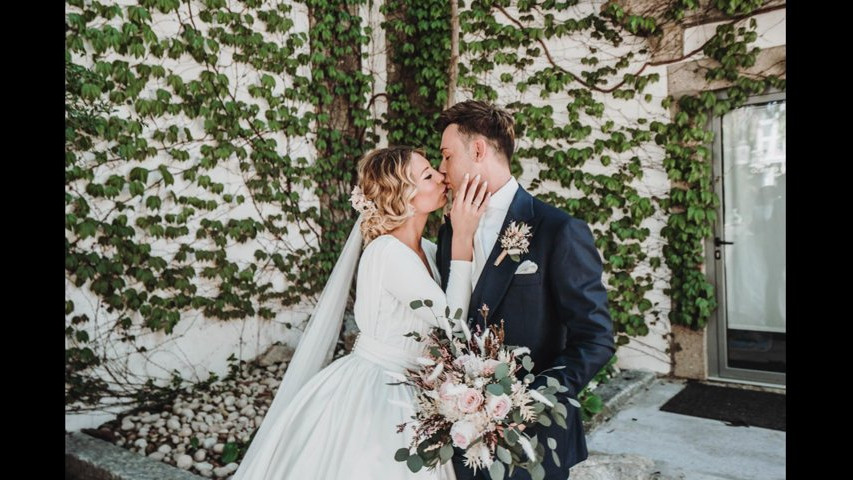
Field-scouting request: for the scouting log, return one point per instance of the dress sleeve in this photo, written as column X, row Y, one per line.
column 405, row 276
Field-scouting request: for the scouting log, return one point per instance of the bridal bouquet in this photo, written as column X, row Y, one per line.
column 469, row 395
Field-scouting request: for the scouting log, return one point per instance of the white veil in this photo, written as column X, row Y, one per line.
column 315, row 346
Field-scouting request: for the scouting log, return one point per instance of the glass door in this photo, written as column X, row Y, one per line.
column 748, row 338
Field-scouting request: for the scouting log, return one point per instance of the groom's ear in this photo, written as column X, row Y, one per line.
column 480, row 149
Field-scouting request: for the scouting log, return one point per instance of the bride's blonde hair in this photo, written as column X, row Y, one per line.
column 386, row 179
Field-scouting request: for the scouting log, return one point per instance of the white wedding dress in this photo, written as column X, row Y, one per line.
column 342, row 424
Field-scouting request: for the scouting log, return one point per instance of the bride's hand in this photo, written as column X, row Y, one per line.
column 469, row 204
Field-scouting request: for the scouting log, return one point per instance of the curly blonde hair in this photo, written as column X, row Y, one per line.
column 386, row 179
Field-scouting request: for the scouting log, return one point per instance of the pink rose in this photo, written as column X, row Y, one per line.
column 498, row 406
column 470, row 400
column 463, row 433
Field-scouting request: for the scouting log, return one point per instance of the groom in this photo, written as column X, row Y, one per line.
column 552, row 299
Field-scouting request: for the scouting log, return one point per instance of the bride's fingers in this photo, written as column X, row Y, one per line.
column 463, row 190
column 481, row 194
column 485, row 204
column 471, row 193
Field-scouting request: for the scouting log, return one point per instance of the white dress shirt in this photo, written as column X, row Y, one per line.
column 489, row 227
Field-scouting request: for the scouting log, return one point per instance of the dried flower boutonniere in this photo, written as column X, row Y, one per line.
column 515, row 241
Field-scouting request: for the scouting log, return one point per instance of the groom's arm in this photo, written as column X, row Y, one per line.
column 581, row 304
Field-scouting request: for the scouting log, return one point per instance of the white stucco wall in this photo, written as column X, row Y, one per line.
column 198, row 345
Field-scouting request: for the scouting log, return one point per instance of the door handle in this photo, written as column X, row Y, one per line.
column 719, row 241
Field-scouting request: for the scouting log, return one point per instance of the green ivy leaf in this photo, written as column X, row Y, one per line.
column 229, row 453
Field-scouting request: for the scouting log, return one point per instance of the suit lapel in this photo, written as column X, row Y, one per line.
column 445, row 240
column 494, row 280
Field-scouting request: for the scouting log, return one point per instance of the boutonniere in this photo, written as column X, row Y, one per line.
column 515, row 241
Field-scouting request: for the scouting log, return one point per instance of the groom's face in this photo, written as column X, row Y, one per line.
column 456, row 157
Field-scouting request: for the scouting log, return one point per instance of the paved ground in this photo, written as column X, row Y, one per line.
column 684, row 447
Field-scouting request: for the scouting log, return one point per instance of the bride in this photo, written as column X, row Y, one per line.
column 341, row 422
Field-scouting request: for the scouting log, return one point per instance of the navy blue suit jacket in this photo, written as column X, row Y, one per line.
column 560, row 313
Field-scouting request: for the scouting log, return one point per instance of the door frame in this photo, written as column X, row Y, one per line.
column 716, row 337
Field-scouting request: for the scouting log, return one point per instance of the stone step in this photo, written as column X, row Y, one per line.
column 90, row 458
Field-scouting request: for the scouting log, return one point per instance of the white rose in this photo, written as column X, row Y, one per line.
column 498, row 406
column 450, row 390
column 463, row 433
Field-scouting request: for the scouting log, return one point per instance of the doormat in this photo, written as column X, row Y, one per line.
column 735, row 406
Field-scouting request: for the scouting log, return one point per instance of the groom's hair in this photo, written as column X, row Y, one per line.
column 474, row 116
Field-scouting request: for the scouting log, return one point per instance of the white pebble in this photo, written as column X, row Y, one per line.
column 221, row 472
column 165, row 448
column 229, row 400
column 199, row 455
column 184, row 462
column 173, row 424
column 203, row 466
column 158, row 455
column 218, row 448
column 151, row 418
column 127, row 425
column 141, row 443
column 185, row 432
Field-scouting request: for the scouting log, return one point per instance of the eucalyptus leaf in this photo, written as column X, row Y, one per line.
column 445, row 453
column 415, row 463
column 503, row 454
column 537, row 472
column 495, row 389
column 401, row 455
column 497, row 471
